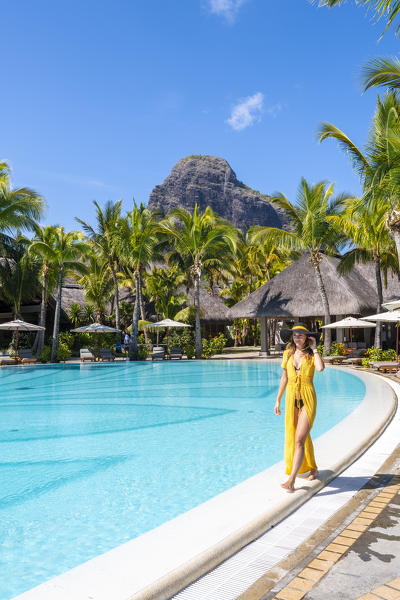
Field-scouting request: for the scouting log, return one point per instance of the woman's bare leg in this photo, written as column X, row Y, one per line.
column 302, row 431
column 295, row 420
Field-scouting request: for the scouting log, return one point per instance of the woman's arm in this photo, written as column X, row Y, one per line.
column 282, row 386
column 319, row 363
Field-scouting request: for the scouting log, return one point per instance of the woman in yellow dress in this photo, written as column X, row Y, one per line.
column 300, row 359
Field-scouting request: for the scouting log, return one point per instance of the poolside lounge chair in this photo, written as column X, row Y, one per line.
column 355, row 360
column 86, row 354
column 334, row 359
column 106, row 354
column 389, row 366
column 158, row 353
column 175, row 353
column 26, row 356
column 5, row 359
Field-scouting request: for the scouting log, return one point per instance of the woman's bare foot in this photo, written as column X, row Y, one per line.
column 313, row 475
column 288, row 486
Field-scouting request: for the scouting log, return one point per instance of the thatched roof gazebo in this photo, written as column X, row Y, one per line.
column 213, row 308
column 293, row 294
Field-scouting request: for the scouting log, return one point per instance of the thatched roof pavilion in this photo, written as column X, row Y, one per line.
column 213, row 308
column 294, row 293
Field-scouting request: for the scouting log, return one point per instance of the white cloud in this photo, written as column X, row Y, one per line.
column 226, row 8
column 246, row 112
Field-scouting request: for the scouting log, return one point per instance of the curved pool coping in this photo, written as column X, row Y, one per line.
column 164, row 560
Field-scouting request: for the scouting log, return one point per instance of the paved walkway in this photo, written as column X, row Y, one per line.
column 361, row 561
column 355, row 557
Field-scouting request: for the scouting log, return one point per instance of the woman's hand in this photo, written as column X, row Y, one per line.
column 312, row 342
column 277, row 409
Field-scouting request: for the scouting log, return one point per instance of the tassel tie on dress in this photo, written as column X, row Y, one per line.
column 297, row 383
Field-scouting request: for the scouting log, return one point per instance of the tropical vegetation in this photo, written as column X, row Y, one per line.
column 143, row 264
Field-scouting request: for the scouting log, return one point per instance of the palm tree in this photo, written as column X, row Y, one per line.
column 106, row 240
column 161, row 286
column 310, row 231
column 41, row 246
column 367, row 231
column 66, row 256
column 18, row 276
column 200, row 240
column 379, row 165
column 75, row 313
column 97, row 285
column 88, row 313
column 19, row 208
column 138, row 248
column 387, row 9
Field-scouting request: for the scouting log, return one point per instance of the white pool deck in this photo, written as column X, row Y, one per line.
column 240, row 526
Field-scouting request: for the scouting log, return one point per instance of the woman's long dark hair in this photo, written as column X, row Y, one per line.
column 291, row 348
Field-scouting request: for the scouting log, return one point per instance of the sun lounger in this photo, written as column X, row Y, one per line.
column 389, row 366
column 175, row 353
column 86, row 354
column 334, row 359
column 158, row 353
column 5, row 359
column 355, row 360
column 26, row 356
column 106, row 354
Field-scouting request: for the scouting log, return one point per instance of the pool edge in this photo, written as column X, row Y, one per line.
column 73, row 583
column 174, row 582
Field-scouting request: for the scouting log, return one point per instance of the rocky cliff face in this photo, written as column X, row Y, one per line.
column 210, row 181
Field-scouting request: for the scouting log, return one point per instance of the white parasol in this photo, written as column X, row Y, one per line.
column 392, row 316
column 18, row 326
column 349, row 323
column 167, row 323
column 95, row 328
column 392, row 305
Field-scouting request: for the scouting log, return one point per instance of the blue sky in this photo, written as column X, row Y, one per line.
column 99, row 100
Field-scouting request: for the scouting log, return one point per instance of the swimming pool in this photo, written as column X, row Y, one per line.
column 95, row 455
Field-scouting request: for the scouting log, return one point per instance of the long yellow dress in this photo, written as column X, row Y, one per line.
column 300, row 386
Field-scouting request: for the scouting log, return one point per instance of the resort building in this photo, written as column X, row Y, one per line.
column 293, row 295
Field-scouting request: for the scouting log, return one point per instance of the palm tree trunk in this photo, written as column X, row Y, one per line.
column 395, row 234
column 56, row 326
column 116, row 296
column 142, row 313
column 197, row 305
column 393, row 225
column 325, row 304
column 133, row 346
column 378, row 328
column 42, row 321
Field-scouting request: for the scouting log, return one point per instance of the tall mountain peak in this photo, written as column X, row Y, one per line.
column 210, row 181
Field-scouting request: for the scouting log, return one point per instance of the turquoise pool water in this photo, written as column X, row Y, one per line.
column 94, row 455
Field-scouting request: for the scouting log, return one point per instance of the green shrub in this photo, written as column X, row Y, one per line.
column 190, row 350
column 213, row 346
column 142, row 352
column 67, row 338
column 207, row 350
column 46, row 354
column 374, row 353
column 337, row 349
column 63, row 352
column 389, row 354
column 320, row 349
column 183, row 340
